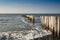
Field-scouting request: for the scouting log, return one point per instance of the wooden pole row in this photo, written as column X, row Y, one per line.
column 53, row 24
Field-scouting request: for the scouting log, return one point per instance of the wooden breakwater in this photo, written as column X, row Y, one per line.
column 51, row 23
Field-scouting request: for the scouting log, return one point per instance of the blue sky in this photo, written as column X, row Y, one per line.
column 29, row 6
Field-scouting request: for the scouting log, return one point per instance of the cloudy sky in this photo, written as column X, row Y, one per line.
column 29, row 6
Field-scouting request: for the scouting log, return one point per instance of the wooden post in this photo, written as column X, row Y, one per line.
column 58, row 27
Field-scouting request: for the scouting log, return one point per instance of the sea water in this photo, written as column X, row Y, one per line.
column 17, row 23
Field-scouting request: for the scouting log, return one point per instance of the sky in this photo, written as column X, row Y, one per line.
column 29, row 6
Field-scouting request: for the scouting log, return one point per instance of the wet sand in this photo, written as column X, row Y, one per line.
column 48, row 37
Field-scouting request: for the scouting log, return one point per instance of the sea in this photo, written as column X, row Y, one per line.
column 17, row 22
column 11, row 22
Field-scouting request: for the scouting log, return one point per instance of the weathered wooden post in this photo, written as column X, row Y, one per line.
column 58, row 26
